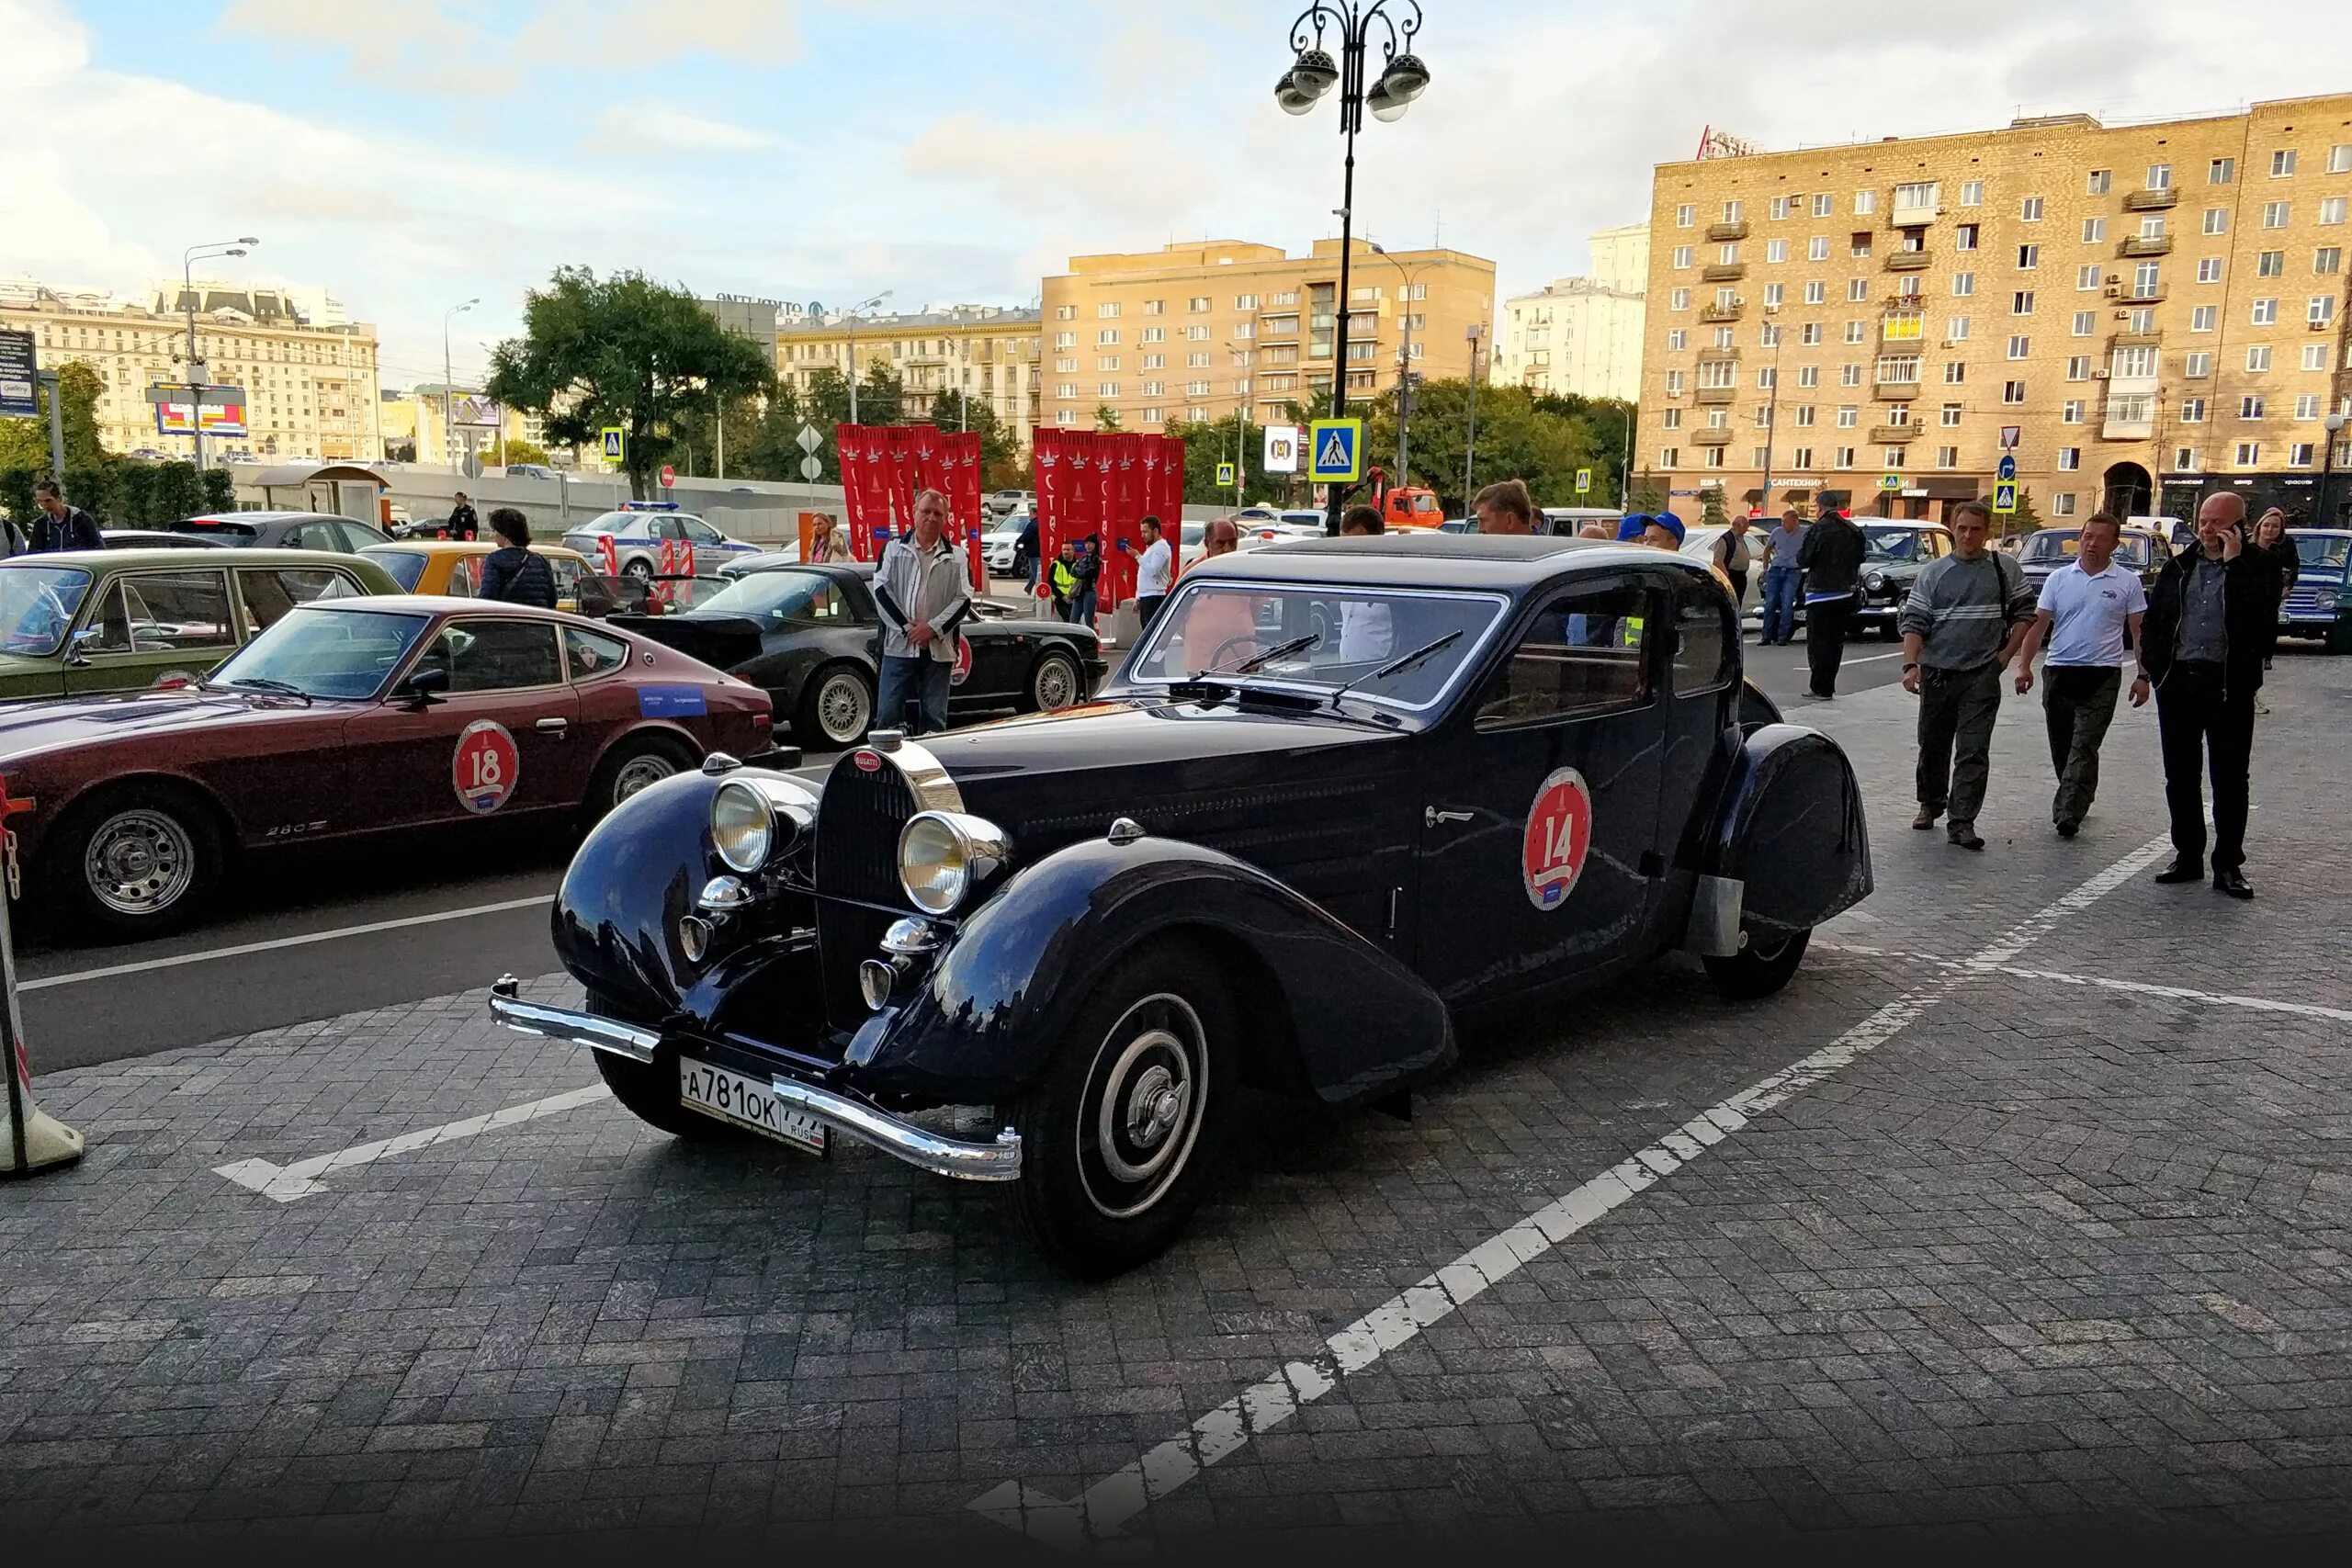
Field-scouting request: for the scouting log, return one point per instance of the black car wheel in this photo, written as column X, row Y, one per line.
column 1055, row 681
column 631, row 766
column 1756, row 969
column 2338, row 637
column 1119, row 1132
column 836, row 706
column 135, row 861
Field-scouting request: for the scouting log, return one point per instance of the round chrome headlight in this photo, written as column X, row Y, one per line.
column 742, row 828
column 942, row 854
column 1873, row 581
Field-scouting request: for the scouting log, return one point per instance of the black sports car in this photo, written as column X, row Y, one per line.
column 1343, row 796
column 810, row 636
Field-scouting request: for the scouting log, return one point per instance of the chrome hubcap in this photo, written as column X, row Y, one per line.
column 840, row 710
column 639, row 771
column 139, row 862
column 1057, row 686
column 1142, row 1110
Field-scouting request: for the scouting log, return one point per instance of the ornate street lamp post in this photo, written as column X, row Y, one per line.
column 1314, row 73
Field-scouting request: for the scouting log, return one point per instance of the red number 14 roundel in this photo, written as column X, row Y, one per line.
column 1559, row 837
column 485, row 766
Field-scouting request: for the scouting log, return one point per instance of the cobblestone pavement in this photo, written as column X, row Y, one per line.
column 2046, row 1235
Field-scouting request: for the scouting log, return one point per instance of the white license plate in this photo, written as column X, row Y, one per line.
column 745, row 1102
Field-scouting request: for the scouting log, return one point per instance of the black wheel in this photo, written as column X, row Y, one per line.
column 1119, row 1133
column 1055, row 681
column 640, row 568
column 836, row 707
column 649, row 1091
column 2338, row 639
column 1756, row 969
column 135, row 861
column 631, row 766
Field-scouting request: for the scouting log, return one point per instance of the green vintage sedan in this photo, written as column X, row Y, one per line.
column 85, row 621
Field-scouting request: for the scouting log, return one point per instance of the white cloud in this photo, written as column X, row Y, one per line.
column 647, row 128
column 415, row 44
column 632, row 34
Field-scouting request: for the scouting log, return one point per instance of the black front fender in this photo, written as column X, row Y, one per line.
column 1350, row 1021
column 1791, row 833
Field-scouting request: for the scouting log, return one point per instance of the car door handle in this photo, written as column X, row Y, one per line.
column 552, row 726
column 1431, row 816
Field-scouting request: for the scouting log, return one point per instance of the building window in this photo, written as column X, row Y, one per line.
column 2094, row 230
column 1817, row 292
column 2029, row 211
column 1776, row 250
column 1107, row 388
column 1817, row 248
column 1955, row 373
column 2184, row 459
column 2249, row 453
column 2071, row 411
column 2021, row 302
column 2013, row 391
column 1809, row 376
column 1065, row 340
column 1804, row 416
column 1155, row 335
column 2085, row 322
column 1250, row 302
column 1865, row 202
column 1669, row 457
column 2265, row 312
column 1674, row 383
column 1671, row 419
column 2339, row 158
column 1681, row 256
column 1107, row 362
column 2331, row 211
column 1810, row 334
column 2203, row 318
column 2258, row 358
column 2320, row 311
column 2098, row 181
column 1964, row 237
column 1956, row 329
column 1858, row 245
column 2270, row 263
column 2273, row 215
column 1964, row 284
column 1201, row 334
column 1893, row 456
column 1728, row 254
column 2063, row 504
column 2197, row 367
column 1680, row 300
column 1064, row 312
column 2314, row 357
column 1801, row 457
column 1108, row 309
column 1154, row 415
column 1155, row 307
column 1713, row 457
column 2070, row 457
column 2217, row 220
column 1780, row 205
column 1723, row 337
column 1843, row 457
column 2298, row 455
column 2327, row 260
column 1107, row 336
column 1774, row 294
column 1677, row 340
column 2078, row 367
column 2282, row 163
column 2221, row 170
column 2208, row 269
column 2029, row 257
column 1899, row 370
column 2307, row 406
column 2019, row 345
column 1824, row 205
column 2250, row 406
column 1686, row 216
column 1065, row 389
column 1849, row 416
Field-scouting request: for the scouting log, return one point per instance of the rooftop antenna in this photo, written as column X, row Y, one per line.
column 1437, row 232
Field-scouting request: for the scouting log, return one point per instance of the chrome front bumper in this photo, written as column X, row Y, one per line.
column 999, row 1160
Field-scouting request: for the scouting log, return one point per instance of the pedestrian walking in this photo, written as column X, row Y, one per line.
column 1783, row 579
column 12, row 543
column 1831, row 558
column 463, row 524
column 1155, row 573
column 1088, row 569
column 923, row 593
column 1505, row 507
column 1024, row 552
column 1734, row 552
column 1963, row 621
column 2270, row 535
column 2211, row 615
column 2089, row 614
column 59, row 526
column 512, row 573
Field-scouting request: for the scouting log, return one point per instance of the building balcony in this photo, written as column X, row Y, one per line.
column 1716, row 394
column 1718, row 355
column 1723, row 312
column 1893, row 435
column 2135, row 340
column 2151, row 201
column 1912, row 217
column 1908, row 261
column 1710, row 437
column 1896, row 392
column 1723, row 271
column 1719, row 232
column 2143, row 245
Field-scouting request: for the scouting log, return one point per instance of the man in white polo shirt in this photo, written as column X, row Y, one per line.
column 2090, row 612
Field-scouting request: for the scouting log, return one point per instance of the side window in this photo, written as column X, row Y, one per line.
column 178, row 609
column 700, row 531
column 1587, row 651
column 357, row 537
column 567, row 574
column 1702, row 640
column 497, row 656
column 269, row 592
column 461, row 577
column 668, row 528
column 313, row 536
column 593, row 653
column 106, row 617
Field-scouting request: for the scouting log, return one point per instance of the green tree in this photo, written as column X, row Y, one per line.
column 621, row 350
column 1711, row 507
column 1543, row 441
column 1648, row 494
column 774, row 451
column 1000, row 447
column 24, row 443
column 2025, row 520
column 881, row 397
column 1105, row 417
column 521, row 451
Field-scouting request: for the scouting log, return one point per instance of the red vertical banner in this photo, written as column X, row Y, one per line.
column 1127, row 492
column 849, row 441
column 1049, row 474
column 964, row 493
column 1171, row 510
column 899, row 467
column 1082, row 504
column 928, row 466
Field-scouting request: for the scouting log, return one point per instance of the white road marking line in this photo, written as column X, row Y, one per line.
column 2108, row 983
column 1873, row 658
column 239, row 950
column 1100, row 1512
column 288, row 1182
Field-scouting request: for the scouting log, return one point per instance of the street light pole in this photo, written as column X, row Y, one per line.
column 1470, row 447
column 1313, row 74
column 1772, row 411
column 196, row 371
column 2327, row 509
column 851, row 325
column 448, row 422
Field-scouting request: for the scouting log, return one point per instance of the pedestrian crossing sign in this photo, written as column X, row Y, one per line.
column 616, row 443
column 1335, row 450
column 1223, row 476
column 2005, row 497
column 1890, row 481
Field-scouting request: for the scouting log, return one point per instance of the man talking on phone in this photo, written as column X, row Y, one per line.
column 2210, row 621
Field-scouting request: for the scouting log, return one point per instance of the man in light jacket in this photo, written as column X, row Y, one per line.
column 924, row 594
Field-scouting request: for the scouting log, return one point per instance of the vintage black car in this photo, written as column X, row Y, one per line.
column 808, row 636
column 1344, row 797
column 1893, row 555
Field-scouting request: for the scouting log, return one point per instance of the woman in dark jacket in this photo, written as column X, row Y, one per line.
column 2270, row 536
column 512, row 573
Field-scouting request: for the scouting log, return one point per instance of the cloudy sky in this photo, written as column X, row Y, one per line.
column 411, row 154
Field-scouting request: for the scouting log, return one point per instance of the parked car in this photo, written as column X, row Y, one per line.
column 1306, row 524
column 1408, row 506
column 85, row 621
column 638, row 537
column 1001, row 544
column 808, row 636
column 2138, row 551
column 1004, row 501
column 159, row 539
column 529, row 471
column 1344, row 799
column 1569, row 522
column 283, row 530
column 363, row 717
column 2319, row 605
column 1893, row 555
column 453, row 567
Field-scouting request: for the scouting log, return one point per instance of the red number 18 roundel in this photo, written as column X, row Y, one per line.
column 1559, row 837
column 485, row 766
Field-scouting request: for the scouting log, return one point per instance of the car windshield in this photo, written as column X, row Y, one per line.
column 1897, row 543
column 781, row 596
column 37, row 603
column 2323, row 550
column 2054, row 546
column 607, row 522
column 407, row 567
column 323, row 652
column 1335, row 636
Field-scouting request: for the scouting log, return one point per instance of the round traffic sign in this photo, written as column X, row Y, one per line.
column 485, row 766
column 669, row 476
column 810, row 469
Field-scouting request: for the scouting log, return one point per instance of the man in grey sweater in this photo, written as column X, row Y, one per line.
column 1963, row 621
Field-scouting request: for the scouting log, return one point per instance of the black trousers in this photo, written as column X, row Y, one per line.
column 2203, row 731
column 1147, row 608
column 1826, row 621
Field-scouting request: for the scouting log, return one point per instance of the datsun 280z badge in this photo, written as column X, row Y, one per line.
column 1559, row 837
column 485, row 766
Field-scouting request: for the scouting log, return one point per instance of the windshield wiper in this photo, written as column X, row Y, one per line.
column 263, row 683
column 1399, row 666
column 1258, row 661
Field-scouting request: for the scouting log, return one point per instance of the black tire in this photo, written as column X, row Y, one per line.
column 649, row 1091
column 1755, row 970
column 631, row 766
column 1160, row 1023
column 836, row 708
column 2339, row 636
column 138, row 861
column 1056, row 682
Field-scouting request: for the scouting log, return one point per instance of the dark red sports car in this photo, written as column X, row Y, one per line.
column 347, row 717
